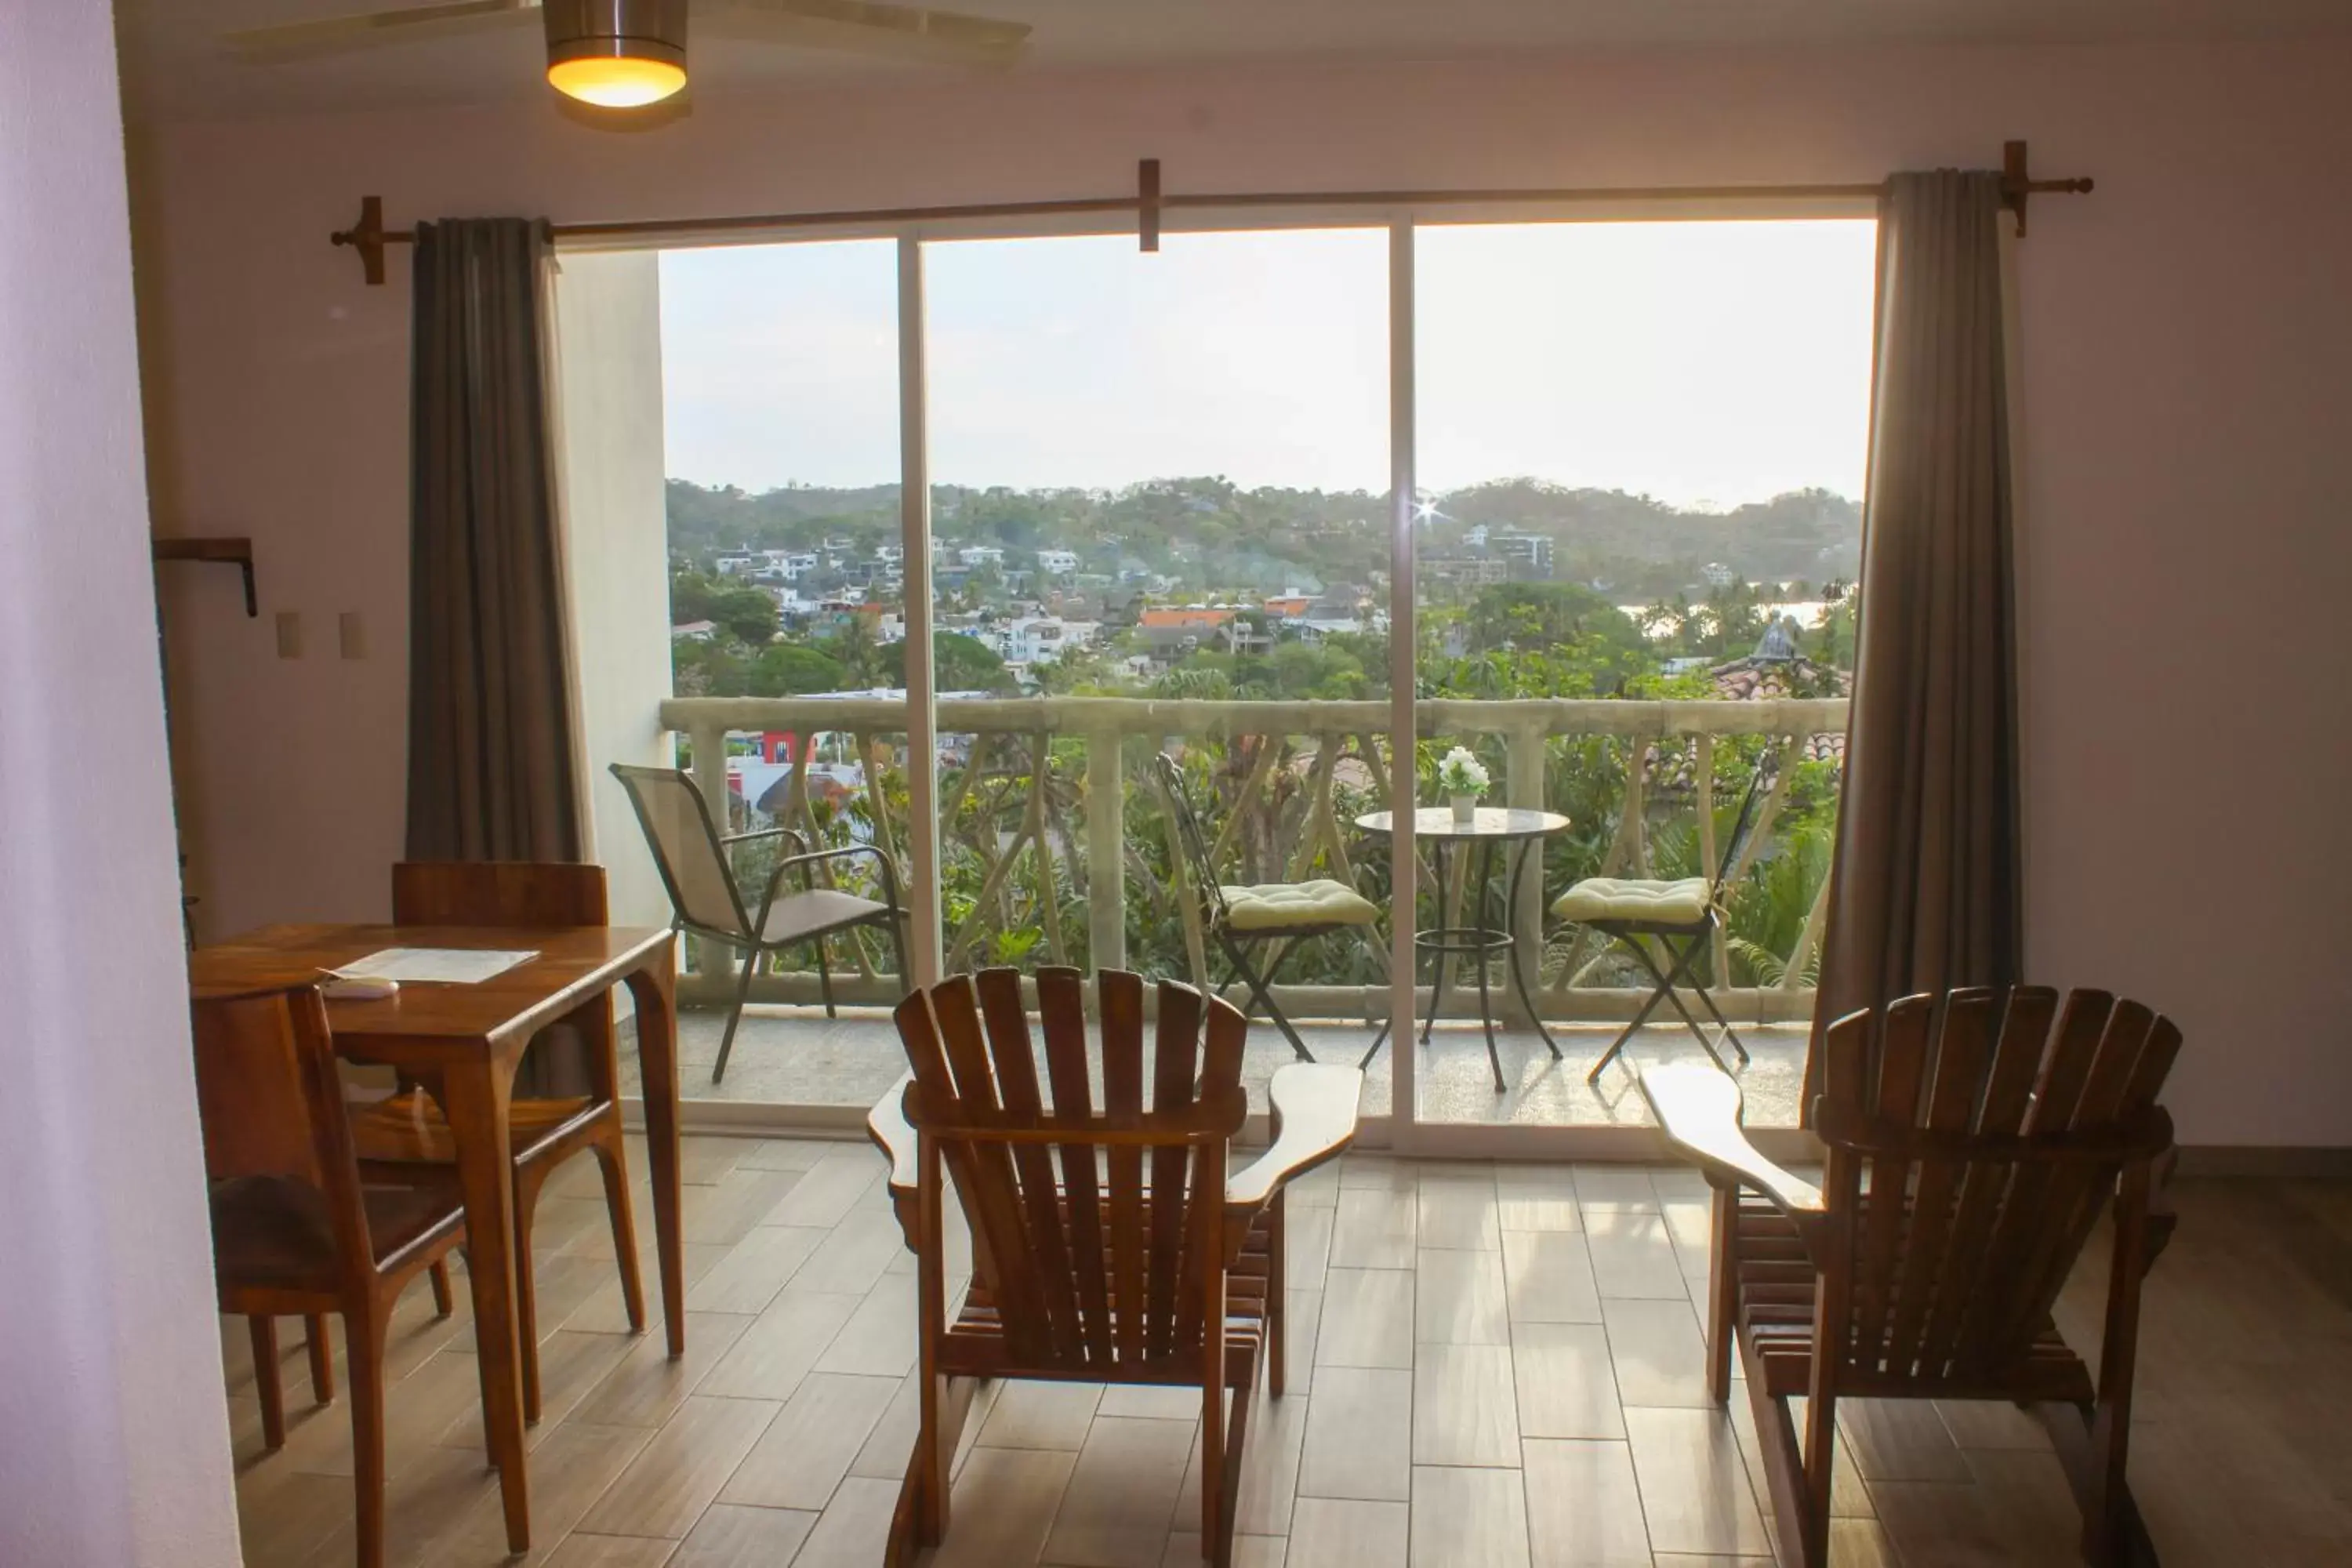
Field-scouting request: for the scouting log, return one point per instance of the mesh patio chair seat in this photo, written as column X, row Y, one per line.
column 692, row 856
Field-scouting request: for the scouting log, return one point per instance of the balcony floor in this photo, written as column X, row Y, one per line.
column 796, row 1056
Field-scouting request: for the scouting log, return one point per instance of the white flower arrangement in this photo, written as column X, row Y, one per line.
column 1460, row 773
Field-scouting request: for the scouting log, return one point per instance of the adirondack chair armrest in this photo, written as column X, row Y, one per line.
column 1699, row 1109
column 1314, row 1114
column 887, row 1127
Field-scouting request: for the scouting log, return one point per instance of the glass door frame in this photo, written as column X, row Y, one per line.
column 1404, row 1130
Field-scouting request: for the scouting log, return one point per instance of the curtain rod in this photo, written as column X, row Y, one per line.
column 369, row 237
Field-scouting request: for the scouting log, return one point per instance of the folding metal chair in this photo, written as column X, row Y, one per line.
column 692, row 857
column 1240, row 918
column 1682, row 915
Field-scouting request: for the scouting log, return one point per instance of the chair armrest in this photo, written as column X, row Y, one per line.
column 1314, row 1112
column 887, row 1127
column 791, row 833
column 802, row 863
column 1699, row 1109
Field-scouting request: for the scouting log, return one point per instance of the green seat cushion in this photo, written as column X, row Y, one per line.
column 1272, row 905
column 1680, row 902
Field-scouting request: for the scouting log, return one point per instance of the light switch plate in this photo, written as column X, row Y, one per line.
column 350, row 633
column 289, row 634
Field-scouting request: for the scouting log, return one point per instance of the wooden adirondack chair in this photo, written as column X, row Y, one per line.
column 1108, row 1245
column 1972, row 1142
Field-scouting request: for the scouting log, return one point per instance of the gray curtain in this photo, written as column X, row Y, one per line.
column 1925, row 893
column 489, row 720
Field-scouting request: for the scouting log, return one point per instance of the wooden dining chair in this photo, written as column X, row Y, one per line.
column 1973, row 1142
column 296, row 1232
column 1109, row 1246
column 407, row 1134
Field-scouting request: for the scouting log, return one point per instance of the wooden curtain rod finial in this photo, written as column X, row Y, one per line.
column 369, row 237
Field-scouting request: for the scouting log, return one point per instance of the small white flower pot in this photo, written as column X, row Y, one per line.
column 1466, row 810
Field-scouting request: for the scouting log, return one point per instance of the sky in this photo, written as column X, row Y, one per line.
column 1705, row 364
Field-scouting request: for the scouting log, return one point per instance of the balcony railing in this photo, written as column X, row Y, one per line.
column 1052, row 789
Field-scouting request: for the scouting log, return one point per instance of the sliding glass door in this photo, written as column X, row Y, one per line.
column 1160, row 571
column 1639, row 453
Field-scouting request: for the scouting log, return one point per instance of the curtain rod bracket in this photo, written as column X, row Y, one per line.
column 2017, row 183
column 369, row 237
column 1147, row 203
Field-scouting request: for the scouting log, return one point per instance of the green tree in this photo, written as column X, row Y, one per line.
column 959, row 663
column 749, row 614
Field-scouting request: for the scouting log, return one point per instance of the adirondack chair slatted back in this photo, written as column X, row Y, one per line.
column 1102, row 1230
column 1987, row 1136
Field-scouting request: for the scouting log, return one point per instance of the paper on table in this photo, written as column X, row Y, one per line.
column 451, row 966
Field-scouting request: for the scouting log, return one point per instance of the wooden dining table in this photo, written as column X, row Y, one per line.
column 462, row 1043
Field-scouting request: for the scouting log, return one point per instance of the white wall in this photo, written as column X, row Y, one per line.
column 2184, row 474
column 615, row 548
column 113, row 1434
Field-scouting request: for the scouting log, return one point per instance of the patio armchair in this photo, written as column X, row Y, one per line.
column 1973, row 1142
column 1240, row 918
column 1109, row 1246
column 692, row 856
column 1681, row 914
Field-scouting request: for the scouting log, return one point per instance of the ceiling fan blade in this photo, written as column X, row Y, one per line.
column 335, row 35
column 865, row 26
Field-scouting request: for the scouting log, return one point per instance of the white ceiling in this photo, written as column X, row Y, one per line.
column 175, row 66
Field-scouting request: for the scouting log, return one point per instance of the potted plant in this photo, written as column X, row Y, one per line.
column 1462, row 778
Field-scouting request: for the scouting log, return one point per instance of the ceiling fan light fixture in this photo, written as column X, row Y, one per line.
column 616, row 54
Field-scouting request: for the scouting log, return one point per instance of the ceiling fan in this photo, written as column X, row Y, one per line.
column 623, row 54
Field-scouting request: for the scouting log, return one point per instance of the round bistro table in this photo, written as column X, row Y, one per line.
column 1490, row 830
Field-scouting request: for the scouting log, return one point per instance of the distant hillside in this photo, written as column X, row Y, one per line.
column 1210, row 533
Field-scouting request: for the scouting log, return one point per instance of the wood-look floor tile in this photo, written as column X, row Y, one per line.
column 646, row 1386
column 1359, row 1441
column 584, row 1550
column 1117, row 1510
column 1150, row 1402
column 754, row 1270
column 1624, row 1187
column 1694, row 1490
column 1548, row 1277
column 725, row 1212
column 1849, row 1494
column 1307, row 1246
column 1378, row 1172
column 419, row 1503
column 806, row 1450
column 1632, row 1256
column 1900, row 1440
column 852, row 1257
column 675, row 1477
column 1468, row 1518
column 1318, row 1188
column 1367, row 1318
column 1659, row 1354
column 880, row 1338
column 727, row 1536
column 1565, row 1383
column 1536, row 1197
column 1003, row 1506
column 568, row 1472
column 605, row 1311
column 1584, row 1508
column 781, row 1346
column 1375, row 1228
column 788, row 1154
column 1457, row 1214
column 1333, row 1532
column 1249, row 1551
column 1034, row 1415
column 854, row 1530
column 1463, row 1408
column 828, row 1190
column 1990, row 1424
column 1458, row 1299
column 1302, row 1332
